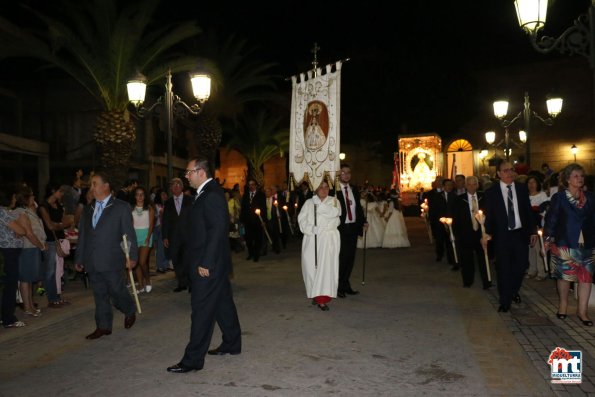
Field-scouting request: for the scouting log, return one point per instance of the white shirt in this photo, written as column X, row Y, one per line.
column 178, row 202
column 504, row 189
column 470, row 199
column 199, row 190
column 351, row 201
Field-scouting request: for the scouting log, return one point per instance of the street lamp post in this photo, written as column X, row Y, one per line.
column 201, row 87
column 574, row 150
column 554, row 107
column 577, row 39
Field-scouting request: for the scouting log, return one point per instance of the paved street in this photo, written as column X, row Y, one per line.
column 412, row 331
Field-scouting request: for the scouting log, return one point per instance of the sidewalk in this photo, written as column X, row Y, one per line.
column 412, row 331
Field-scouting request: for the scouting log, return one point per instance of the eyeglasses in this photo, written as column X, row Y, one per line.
column 507, row 170
column 189, row 172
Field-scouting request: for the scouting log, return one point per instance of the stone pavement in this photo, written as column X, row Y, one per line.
column 413, row 330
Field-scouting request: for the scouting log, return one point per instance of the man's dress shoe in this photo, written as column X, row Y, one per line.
column 517, row 298
column 341, row 294
column 129, row 321
column 98, row 333
column 351, row 292
column 217, row 352
column 503, row 309
column 178, row 289
column 249, row 257
column 180, row 368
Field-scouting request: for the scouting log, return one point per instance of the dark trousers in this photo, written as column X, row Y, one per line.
column 11, row 278
column 177, row 260
column 442, row 243
column 108, row 288
column 273, row 229
column 254, row 240
column 468, row 256
column 512, row 261
column 348, row 234
column 211, row 301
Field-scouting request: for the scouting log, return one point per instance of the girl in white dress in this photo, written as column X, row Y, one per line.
column 318, row 220
column 373, row 209
column 395, row 234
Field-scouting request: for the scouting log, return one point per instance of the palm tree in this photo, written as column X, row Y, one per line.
column 101, row 45
column 244, row 80
column 259, row 138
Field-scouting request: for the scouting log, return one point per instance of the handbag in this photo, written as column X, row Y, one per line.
column 59, row 250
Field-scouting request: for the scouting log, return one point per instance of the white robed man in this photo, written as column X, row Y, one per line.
column 320, row 246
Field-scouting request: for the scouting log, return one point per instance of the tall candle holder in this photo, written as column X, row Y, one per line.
column 257, row 211
column 481, row 220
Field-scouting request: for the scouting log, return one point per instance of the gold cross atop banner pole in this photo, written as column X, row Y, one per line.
column 314, row 51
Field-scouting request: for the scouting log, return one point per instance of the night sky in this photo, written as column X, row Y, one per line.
column 412, row 62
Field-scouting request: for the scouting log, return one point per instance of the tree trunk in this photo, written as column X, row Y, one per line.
column 257, row 174
column 115, row 135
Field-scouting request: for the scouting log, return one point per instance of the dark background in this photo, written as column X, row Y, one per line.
column 412, row 63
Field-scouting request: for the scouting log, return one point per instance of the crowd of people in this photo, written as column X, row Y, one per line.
column 37, row 237
column 491, row 218
column 501, row 219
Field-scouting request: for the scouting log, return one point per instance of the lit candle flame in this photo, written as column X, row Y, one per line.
column 257, row 211
column 285, row 208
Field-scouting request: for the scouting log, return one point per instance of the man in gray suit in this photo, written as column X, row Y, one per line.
column 102, row 225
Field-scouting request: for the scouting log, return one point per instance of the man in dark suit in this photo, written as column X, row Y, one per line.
column 511, row 227
column 281, row 197
column 272, row 219
column 352, row 225
column 253, row 199
column 440, row 201
column 172, row 209
column 206, row 231
column 98, row 252
column 467, row 231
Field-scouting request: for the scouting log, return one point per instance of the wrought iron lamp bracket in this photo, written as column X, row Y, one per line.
column 574, row 40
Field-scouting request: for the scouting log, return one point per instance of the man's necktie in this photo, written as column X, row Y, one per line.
column 98, row 211
column 177, row 199
column 269, row 205
column 251, row 196
column 348, row 204
column 511, row 221
column 474, row 209
column 446, row 197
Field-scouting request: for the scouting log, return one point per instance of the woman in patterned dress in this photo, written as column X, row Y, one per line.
column 570, row 234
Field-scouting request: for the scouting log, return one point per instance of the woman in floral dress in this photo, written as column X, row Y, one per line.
column 570, row 234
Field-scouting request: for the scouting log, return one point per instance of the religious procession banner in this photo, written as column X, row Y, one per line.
column 315, row 126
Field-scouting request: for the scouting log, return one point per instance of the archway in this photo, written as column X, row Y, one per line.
column 459, row 158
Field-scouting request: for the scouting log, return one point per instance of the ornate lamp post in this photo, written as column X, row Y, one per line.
column 554, row 107
column 577, row 39
column 174, row 106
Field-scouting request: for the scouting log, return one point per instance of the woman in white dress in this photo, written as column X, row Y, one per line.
column 375, row 232
column 318, row 221
column 395, row 234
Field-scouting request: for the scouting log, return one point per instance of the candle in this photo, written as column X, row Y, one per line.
column 257, row 211
column 544, row 256
column 481, row 219
column 276, row 204
column 289, row 223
